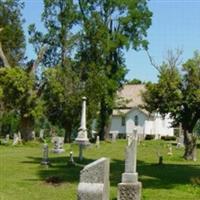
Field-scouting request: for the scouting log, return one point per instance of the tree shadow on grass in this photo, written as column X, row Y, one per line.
column 59, row 167
column 156, row 176
column 153, row 176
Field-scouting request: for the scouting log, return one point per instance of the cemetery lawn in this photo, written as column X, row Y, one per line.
column 23, row 178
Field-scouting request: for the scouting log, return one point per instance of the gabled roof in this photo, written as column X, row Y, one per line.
column 128, row 97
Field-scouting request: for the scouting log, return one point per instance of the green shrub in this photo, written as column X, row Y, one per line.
column 168, row 137
column 149, row 137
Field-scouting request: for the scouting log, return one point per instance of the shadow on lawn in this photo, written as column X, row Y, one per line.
column 59, row 167
column 158, row 176
column 151, row 175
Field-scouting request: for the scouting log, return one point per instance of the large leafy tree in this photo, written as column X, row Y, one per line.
column 62, row 87
column 178, row 93
column 105, row 29
column 12, row 39
column 20, row 95
column 62, row 94
column 59, row 17
column 108, row 28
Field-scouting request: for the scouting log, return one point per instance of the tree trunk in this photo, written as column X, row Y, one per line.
column 26, row 128
column 3, row 57
column 104, row 121
column 68, row 131
column 190, row 146
column 107, row 127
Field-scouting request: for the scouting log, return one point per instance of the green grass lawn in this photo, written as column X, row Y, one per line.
column 23, row 178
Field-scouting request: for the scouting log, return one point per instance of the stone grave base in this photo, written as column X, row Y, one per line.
column 91, row 191
column 129, row 191
column 58, row 150
column 44, row 162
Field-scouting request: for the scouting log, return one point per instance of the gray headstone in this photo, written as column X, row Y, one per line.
column 58, row 143
column 6, row 140
column 114, row 136
column 33, row 135
column 94, row 181
column 15, row 139
column 71, row 158
column 45, row 159
column 19, row 136
column 169, row 150
column 180, row 141
column 41, row 135
column 7, row 137
column 97, row 142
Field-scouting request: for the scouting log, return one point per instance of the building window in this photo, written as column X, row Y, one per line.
column 123, row 121
column 136, row 120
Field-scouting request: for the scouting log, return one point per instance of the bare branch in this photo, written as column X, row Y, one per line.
column 2, row 55
column 40, row 56
column 173, row 58
column 153, row 63
column 82, row 10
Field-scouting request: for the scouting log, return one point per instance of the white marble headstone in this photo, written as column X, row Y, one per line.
column 58, row 143
column 41, row 136
column 15, row 139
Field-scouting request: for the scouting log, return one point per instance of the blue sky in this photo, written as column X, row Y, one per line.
column 175, row 24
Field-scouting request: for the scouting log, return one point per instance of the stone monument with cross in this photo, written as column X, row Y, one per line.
column 130, row 188
column 82, row 138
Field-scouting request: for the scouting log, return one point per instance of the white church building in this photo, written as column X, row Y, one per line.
column 129, row 116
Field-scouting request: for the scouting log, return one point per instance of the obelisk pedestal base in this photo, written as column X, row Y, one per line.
column 129, row 191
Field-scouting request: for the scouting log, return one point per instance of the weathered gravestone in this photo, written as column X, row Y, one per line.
column 17, row 138
column 45, row 159
column 130, row 188
column 180, row 141
column 6, row 140
column 71, row 158
column 97, row 142
column 94, row 181
column 58, row 144
column 33, row 135
column 41, row 134
column 169, row 153
column 114, row 136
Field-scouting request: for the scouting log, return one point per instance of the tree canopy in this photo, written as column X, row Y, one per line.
column 12, row 39
column 100, row 31
column 20, row 95
column 108, row 28
column 178, row 93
